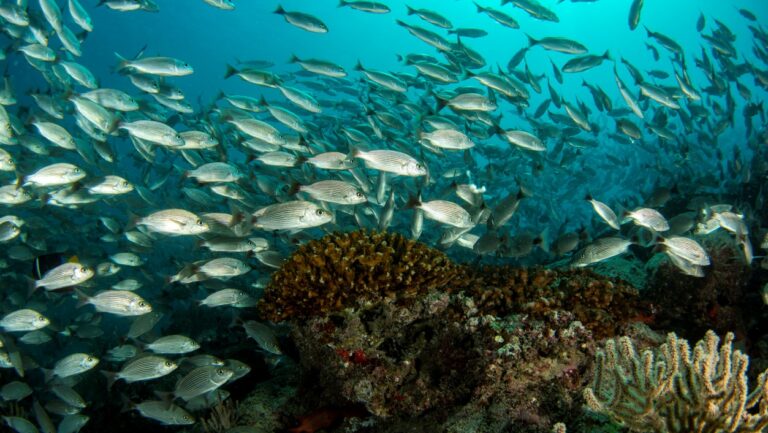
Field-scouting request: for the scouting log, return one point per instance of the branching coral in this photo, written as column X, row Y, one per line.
column 223, row 417
column 346, row 269
column 676, row 391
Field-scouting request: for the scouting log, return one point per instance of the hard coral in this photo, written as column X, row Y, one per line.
column 602, row 304
column 347, row 269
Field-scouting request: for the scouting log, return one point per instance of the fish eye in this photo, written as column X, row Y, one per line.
column 83, row 269
column 124, row 184
column 76, row 170
column 199, row 222
column 359, row 194
column 142, row 304
column 168, row 364
column 220, row 371
column 320, row 212
column 89, row 359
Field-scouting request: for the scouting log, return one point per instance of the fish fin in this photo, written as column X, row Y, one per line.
column 111, row 378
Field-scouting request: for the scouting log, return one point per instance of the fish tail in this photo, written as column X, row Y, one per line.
column 413, row 201
column 280, row 10
column 359, row 66
column 32, row 285
column 342, row 3
column 294, row 188
column 479, row 7
column 122, row 63
column 411, row 10
column 440, row 103
column 111, row 378
column 231, row 70
column 82, row 298
column 294, row 58
column 531, row 40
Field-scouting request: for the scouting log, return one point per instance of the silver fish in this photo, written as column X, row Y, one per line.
column 686, row 249
column 144, row 368
column 226, row 297
column 291, row 215
column 391, row 161
column 173, row 345
column 605, row 212
column 302, row 20
column 174, row 222
column 650, row 218
column 215, row 172
column 160, row 66
column 201, row 380
column 65, row 275
column 263, row 335
column 445, row 212
column 524, row 140
column 599, row 250
column 60, row 173
column 334, row 191
column 164, row 412
column 74, row 364
column 118, row 302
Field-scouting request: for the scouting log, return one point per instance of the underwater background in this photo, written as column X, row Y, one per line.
column 421, row 216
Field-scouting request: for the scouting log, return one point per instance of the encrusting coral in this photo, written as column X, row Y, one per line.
column 601, row 303
column 676, row 391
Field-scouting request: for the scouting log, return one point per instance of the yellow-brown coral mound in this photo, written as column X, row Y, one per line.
column 347, row 269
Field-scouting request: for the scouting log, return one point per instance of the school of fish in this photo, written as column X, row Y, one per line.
column 136, row 225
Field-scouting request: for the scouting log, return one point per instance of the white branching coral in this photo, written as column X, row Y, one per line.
column 672, row 390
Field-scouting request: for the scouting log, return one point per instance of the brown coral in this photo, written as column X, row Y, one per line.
column 601, row 303
column 346, row 269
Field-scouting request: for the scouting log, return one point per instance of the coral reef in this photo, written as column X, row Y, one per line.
column 421, row 362
column 675, row 390
column 601, row 303
column 362, row 268
column 718, row 301
column 391, row 335
column 348, row 269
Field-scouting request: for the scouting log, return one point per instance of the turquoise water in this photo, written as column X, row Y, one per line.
column 701, row 170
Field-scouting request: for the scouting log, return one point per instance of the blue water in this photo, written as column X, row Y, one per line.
column 622, row 175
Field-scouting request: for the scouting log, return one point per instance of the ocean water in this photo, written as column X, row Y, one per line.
column 711, row 174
